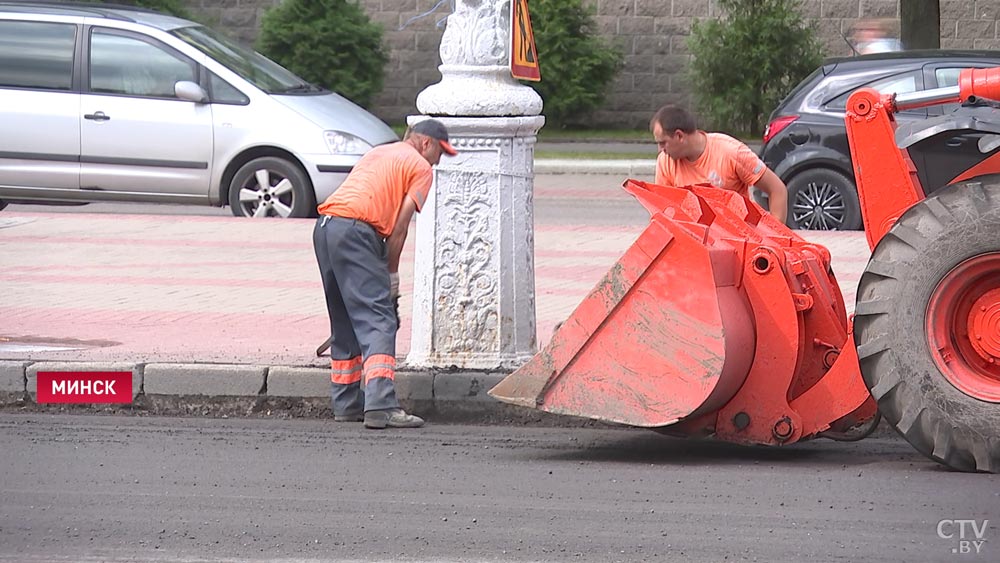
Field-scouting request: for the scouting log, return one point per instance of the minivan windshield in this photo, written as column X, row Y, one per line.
column 250, row 65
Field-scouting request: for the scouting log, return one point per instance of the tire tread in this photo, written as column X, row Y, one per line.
column 956, row 439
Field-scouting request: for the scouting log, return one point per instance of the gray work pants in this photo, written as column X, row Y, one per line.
column 352, row 263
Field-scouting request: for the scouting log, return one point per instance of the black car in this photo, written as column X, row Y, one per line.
column 805, row 141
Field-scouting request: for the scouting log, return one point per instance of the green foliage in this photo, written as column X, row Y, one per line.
column 172, row 7
column 745, row 62
column 576, row 64
column 328, row 42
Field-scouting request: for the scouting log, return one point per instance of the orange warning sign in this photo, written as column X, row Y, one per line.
column 523, row 56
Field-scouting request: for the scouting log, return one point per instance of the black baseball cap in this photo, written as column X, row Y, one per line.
column 435, row 130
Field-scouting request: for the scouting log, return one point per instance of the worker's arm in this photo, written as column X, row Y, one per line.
column 777, row 194
column 396, row 240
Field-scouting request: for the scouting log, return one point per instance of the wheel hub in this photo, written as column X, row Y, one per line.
column 984, row 326
column 963, row 327
column 264, row 197
column 818, row 206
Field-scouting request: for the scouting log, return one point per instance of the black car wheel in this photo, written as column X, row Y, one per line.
column 271, row 187
column 823, row 200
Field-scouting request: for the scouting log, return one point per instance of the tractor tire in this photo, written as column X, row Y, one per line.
column 821, row 199
column 931, row 288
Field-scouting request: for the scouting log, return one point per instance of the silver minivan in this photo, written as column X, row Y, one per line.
column 113, row 104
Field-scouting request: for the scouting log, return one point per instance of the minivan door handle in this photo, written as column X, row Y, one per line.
column 96, row 116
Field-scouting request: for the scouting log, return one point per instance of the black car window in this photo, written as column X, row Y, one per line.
column 37, row 55
column 947, row 76
column 899, row 83
column 808, row 82
column 122, row 64
column 224, row 92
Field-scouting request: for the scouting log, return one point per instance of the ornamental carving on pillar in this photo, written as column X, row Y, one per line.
column 467, row 292
column 477, row 33
column 475, row 66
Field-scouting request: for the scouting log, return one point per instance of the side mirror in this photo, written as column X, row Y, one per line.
column 187, row 90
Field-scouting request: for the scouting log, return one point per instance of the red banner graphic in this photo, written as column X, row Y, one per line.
column 84, row 387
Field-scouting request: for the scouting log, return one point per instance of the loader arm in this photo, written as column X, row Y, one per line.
column 886, row 177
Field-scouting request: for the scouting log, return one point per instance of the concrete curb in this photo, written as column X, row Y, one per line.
column 13, row 381
column 617, row 167
column 581, row 166
column 283, row 381
column 444, row 396
column 215, row 380
column 254, row 381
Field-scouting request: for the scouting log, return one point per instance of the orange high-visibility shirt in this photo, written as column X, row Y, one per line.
column 726, row 163
column 374, row 190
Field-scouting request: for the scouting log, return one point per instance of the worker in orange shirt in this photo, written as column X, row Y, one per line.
column 358, row 239
column 691, row 156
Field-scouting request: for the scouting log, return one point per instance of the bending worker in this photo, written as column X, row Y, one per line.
column 691, row 156
column 358, row 239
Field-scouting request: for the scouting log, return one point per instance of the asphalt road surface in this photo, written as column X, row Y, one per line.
column 592, row 199
column 128, row 488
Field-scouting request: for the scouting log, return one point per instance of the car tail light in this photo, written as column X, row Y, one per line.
column 775, row 126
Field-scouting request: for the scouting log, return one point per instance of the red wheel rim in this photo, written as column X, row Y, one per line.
column 963, row 327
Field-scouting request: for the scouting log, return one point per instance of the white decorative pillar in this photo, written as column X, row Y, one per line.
column 474, row 274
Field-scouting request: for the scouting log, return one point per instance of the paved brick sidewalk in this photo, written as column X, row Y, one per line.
column 148, row 288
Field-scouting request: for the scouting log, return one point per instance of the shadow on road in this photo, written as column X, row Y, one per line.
column 657, row 449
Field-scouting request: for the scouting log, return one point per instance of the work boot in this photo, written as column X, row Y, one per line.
column 392, row 418
column 348, row 417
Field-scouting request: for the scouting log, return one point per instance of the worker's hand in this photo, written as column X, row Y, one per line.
column 394, row 285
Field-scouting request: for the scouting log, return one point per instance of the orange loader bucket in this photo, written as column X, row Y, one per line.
column 718, row 320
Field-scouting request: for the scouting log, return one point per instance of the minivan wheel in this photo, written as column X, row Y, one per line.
column 2, row 204
column 271, row 187
column 823, row 200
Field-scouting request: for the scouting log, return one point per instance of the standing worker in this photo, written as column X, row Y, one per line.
column 691, row 156
column 358, row 239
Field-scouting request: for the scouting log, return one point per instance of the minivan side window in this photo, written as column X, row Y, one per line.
column 37, row 55
column 224, row 92
column 123, row 64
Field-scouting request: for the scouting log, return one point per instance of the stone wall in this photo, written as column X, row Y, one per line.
column 650, row 33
